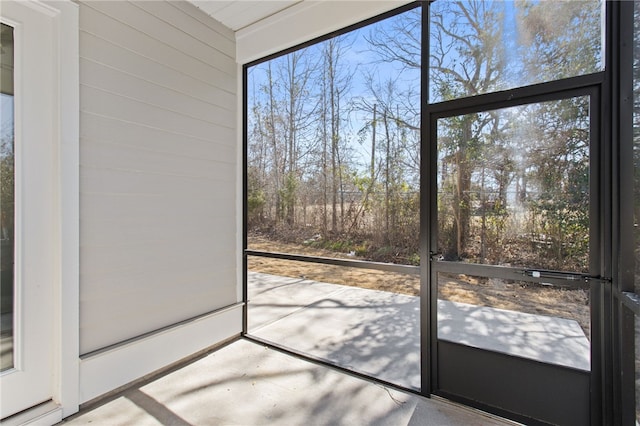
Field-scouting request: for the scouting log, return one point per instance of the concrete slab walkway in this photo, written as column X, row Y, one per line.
column 377, row 333
column 247, row 384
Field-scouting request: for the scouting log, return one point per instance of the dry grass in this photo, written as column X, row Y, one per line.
column 516, row 296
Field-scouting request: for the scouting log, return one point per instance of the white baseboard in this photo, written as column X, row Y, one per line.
column 45, row 414
column 110, row 369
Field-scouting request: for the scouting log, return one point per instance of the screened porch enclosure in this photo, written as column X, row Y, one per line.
column 425, row 203
column 317, row 211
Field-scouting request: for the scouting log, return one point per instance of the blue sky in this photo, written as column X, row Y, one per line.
column 358, row 60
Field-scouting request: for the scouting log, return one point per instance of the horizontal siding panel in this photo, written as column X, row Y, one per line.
column 129, row 13
column 122, row 321
column 170, row 301
column 100, row 129
column 109, row 156
column 110, row 244
column 160, row 217
column 139, row 259
column 123, row 84
column 193, row 248
column 125, row 283
column 120, row 181
column 100, row 25
column 103, row 51
column 126, row 262
column 115, row 106
column 192, row 24
column 158, row 169
column 104, row 207
column 107, row 237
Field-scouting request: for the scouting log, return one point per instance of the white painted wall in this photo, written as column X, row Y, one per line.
column 158, row 171
column 160, row 177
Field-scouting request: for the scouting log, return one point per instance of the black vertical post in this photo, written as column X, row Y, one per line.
column 604, row 326
column 623, row 227
column 244, row 199
column 426, row 317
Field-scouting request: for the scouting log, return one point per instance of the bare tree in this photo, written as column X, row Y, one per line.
column 296, row 72
column 282, row 123
column 336, row 84
column 467, row 58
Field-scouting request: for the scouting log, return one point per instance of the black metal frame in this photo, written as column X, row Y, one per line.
column 626, row 301
column 388, row 267
column 590, row 86
column 246, row 252
column 428, row 298
column 614, row 299
column 348, row 263
column 321, row 361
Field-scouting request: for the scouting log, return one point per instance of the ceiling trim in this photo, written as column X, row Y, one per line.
column 302, row 22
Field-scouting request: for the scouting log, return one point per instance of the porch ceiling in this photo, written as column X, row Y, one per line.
column 264, row 27
column 239, row 14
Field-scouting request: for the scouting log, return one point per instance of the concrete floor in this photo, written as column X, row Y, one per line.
column 245, row 383
column 377, row 333
column 369, row 331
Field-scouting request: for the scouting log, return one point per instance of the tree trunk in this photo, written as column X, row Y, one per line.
column 386, row 180
column 274, row 143
column 290, row 188
column 325, row 198
column 334, row 148
column 340, row 182
column 373, row 147
column 462, row 199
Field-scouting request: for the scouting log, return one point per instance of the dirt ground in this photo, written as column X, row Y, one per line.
column 529, row 298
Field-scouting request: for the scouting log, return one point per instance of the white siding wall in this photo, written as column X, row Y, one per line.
column 157, row 168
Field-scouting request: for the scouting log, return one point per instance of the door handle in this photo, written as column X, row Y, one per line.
column 435, row 256
column 535, row 273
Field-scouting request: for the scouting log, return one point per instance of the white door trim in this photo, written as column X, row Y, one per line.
column 65, row 215
column 67, row 306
